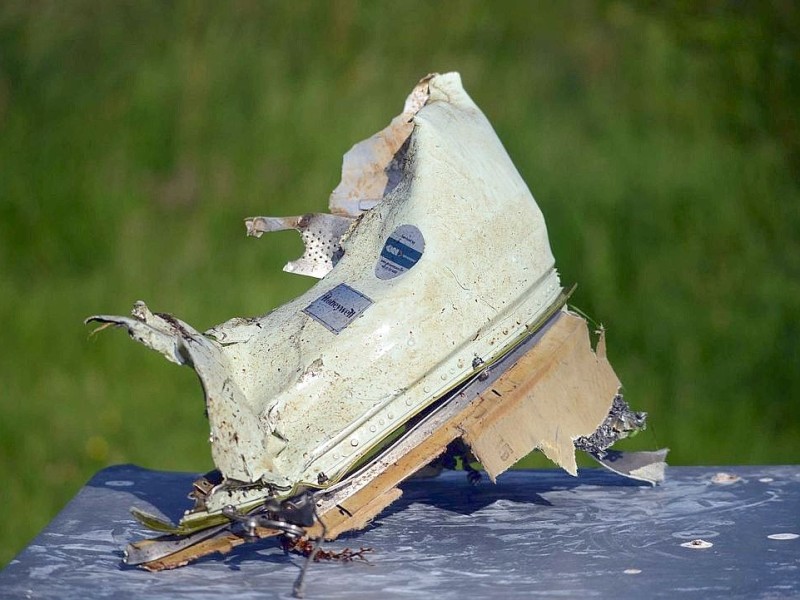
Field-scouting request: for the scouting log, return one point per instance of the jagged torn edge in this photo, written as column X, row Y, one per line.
column 367, row 175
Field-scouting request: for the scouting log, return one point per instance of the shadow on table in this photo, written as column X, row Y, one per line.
column 453, row 492
column 165, row 492
column 159, row 491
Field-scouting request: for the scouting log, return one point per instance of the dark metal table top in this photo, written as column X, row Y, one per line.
column 534, row 534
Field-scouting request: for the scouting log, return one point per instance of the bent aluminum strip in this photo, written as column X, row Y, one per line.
column 641, row 466
column 145, row 551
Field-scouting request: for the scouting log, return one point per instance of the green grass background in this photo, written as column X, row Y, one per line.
column 662, row 144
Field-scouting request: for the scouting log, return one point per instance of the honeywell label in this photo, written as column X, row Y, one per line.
column 337, row 308
column 402, row 250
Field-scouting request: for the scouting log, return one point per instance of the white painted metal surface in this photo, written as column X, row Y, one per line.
column 299, row 395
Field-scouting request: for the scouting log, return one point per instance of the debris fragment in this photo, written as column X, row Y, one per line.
column 321, row 233
column 305, row 547
column 439, row 328
column 697, row 544
column 642, row 466
column 620, row 423
column 558, row 392
column 723, row 478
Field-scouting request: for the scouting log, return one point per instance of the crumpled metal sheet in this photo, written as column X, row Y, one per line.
column 450, row 265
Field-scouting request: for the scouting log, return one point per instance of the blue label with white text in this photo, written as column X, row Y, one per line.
column 402, row 250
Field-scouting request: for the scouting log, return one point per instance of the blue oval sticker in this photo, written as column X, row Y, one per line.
column 402, row 250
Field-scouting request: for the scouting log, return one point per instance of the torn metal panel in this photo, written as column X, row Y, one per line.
column 439, row 316
column 352, row 503
column 275, row 384
column 558, row 392
column 373, row 167
column 370, row 170
column 228, row 411
column 321, row 233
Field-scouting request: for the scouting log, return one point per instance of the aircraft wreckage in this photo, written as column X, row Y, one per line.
column 438, row 333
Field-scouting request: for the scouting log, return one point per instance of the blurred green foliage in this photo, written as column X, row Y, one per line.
column 660, row 139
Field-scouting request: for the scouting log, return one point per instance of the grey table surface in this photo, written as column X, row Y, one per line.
column 533, row 534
